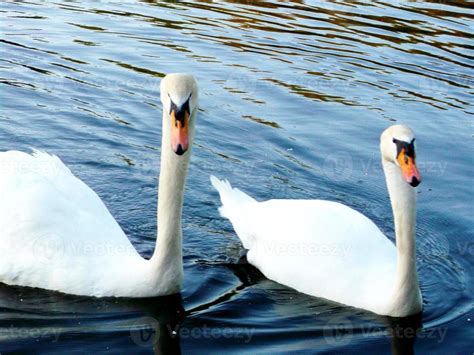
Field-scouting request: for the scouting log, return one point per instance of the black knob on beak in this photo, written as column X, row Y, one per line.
column 415, row 182
column 180, row 150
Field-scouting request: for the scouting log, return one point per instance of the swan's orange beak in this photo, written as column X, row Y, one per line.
column 409, row 170
column 179, row 131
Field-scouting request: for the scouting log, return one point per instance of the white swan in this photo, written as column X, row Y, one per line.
column 56, row 233
column 329, row 250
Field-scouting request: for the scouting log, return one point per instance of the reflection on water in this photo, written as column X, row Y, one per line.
column 49, row 319
column 404, row 332
column 294, row 97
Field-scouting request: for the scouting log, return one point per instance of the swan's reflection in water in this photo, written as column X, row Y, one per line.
column 331, row 325
column 403, row 332
column 158, row 328
column 32, row 317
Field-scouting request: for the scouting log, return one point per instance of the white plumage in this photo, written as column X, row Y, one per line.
column 327, row 249
column 307, row 244
column 57, row 234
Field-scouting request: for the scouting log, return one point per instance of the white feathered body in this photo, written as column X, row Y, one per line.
column 317, row 247
column 57, row 234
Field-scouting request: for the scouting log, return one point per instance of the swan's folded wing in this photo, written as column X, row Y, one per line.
column 42, row 200
column 312, row 245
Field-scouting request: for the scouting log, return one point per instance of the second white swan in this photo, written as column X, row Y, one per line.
column 329, row 250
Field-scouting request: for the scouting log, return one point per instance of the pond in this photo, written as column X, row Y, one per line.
column 294, row 96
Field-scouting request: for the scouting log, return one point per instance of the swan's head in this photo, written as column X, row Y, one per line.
column 179, row 95
column 397, row 145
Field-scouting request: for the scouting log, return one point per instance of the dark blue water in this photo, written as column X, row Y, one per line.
column 294, row 96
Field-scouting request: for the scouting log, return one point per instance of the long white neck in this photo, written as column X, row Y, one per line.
column 167, row 259
column 407, row 298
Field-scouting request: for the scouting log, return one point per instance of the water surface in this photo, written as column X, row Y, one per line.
column 294, row 96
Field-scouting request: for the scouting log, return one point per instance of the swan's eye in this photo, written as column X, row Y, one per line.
column 187, row 105
column 408, row 149
column 185, row 108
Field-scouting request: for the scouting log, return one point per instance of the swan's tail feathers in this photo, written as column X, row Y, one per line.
column 234, row 207
column 231, row 198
